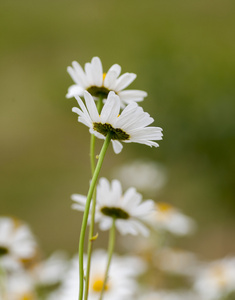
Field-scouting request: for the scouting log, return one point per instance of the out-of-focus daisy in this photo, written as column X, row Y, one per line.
column 19, row 286
column 17, row 243
column 169, row 218
column 130, row 126
column 170, row 295
column 99, row 84
column 216, row 280
column 175, row 261
column 121, row 282
column 128, row 209
column 49, row 273
column 147, row 176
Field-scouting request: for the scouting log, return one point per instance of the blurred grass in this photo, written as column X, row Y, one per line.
column 183, row 54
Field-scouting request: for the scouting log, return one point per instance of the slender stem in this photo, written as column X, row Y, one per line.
column 92, row 154
column 110, row 254
column 86, row 212
column 91, row 229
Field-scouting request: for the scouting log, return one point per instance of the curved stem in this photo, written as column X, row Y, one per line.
column 86, row 212
column 91, row 229
column 110, row 254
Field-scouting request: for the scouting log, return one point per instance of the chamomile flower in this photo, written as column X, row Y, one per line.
column 170, row 295
column 99, row 84
column 121, row 282
column 175, row 261
column 130, row 126
column 20, row 286
column 17, row 243
column 216, row 280
column 146, row 175
column 169, row 218
column 128, row 209
column 48, row 274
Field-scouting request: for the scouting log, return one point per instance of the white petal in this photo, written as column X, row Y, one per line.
column 105, row 223
column 92, row 109
column 89, row 74
column 80, row 74
column 111, row 76
column 74, row 90
column 117, row 146
column 132, row 95
column 124, row 80
column 97, row 71
column 110, row 109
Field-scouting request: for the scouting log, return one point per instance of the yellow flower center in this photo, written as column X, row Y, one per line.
column 27, row 296
column 164, row 207
column 98, row 284
column 219, row 274
column 104, row 75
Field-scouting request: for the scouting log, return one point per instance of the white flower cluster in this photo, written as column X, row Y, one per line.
column 23, row 275
column 130, row 124
column 145, row 227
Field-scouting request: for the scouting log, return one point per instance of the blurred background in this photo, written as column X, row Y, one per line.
column 183, row 54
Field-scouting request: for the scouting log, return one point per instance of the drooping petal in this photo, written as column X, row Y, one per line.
column 117, row 146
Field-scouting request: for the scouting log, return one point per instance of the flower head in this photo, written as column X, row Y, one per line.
column 216, row 280
column 99, row 84
column 175, row 261
column 129, row 126
column 17, row 243
column 169, row 218
column 128, row 209
column 146, row 175
column 170, row 295
column 20, row 286
column 121, row 280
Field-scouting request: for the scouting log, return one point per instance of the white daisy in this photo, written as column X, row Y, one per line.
column 216, row 280
column 169, row 218
column 121, row 282
column 175, row 261
column 129, row 126
column 99, row 84
column 128, row 209
column 17, row 243
column 148, row 176
column 19, row 286
column 48, row 274
column 170, row 295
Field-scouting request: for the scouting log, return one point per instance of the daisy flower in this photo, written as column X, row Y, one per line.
column 121, row 282
column 216, row 280
column 169, row 218
column 175, row 261
column 147, row 175
column 170, row 295
column 16, row 242
column 129, row 126
column 128, row 209
column 48, row 274
column 20, row 286
column 99, row 84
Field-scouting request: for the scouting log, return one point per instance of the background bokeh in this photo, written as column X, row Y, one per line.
column 183, row 54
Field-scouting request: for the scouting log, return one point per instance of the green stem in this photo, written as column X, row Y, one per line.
column 86, row 211
column 110, row 254
column 91, row 229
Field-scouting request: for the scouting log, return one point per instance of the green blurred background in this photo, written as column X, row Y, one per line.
column 183, row 54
